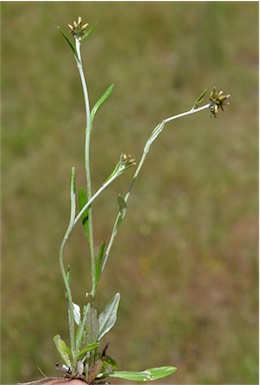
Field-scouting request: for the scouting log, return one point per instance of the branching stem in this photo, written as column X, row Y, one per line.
column 158, row 129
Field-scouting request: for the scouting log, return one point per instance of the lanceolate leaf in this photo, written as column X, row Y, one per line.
column 156, row 132
column 99, row 261
column 108, row 362
column 107, row 319
column 81, row 332
column 122, row 210
column 84, row 217
column 87, row 349
column 89, row 31
column 71, row 44
column 68, row 274
column 92, row 323
column 72, row 196
column 146, row 375
column 76, row 313
column 199, row 99
column 100, row 102
column 122, row 204
column 63, row 349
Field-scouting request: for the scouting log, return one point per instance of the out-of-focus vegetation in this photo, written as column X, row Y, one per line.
column 185, row 261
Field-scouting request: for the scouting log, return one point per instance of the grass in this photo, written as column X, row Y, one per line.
column 186, row 256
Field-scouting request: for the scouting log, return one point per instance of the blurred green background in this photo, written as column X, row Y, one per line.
column 185, row 261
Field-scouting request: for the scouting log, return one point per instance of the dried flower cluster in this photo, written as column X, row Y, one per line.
column 127, row 160
column 218, row 100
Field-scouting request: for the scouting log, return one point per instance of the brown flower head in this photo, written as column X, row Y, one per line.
column 77, row 28
column 127, row 160
column 218, row 100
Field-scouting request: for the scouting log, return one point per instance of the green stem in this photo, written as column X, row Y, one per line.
column 191, row 111
column 87, row 165
column 158, row 129
column 69, row 297
column 99, row 191
column 61, row 260
column 75, row 345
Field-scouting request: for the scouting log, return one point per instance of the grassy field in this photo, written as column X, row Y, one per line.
column 186, row 258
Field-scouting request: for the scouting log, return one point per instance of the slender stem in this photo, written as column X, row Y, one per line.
column 149, row 142
column 75, row 345
column 100, row 190
column 153, row 136
column 69, row 296
column 87, row 164
column 192, row 111
column 61, row 260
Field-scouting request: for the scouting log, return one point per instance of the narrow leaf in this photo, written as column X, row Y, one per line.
column 100, row 102
column 156, row 132
column 68, row 277
column 92, row 322
column 80, row 367
column 114, row 172
column 122, row 204
column 107, row 319
column 81, row 332
column 63, row 349
column 147, row 375
column 108, row 362
column 72, row 197
column 87, row 349
column 88, row 32
column 199, row 99
column 99, row 261
column 71, row 44
column 82, row 198
column 76, row 313
column 122, row 210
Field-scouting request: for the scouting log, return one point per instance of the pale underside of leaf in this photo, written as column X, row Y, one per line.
column 76, row 313
column 108, row 317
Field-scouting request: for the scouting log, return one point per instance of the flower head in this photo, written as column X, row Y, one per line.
column 127, row 160
column 77, row 29
column 218, row 100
